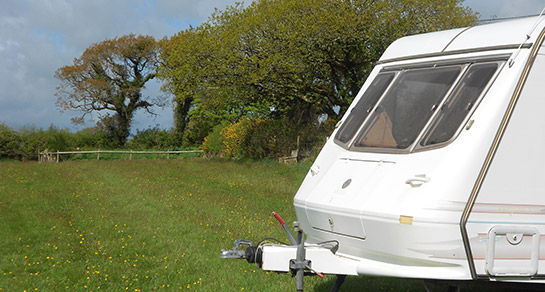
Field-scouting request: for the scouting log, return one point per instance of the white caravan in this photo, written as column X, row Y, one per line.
column 437, row 169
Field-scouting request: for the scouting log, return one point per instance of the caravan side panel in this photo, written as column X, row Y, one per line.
column 507, row 224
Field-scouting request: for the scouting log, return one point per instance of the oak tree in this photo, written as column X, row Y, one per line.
column 109, row 77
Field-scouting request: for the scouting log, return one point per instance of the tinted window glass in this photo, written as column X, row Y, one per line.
column 459, row 104
column 363, row 107
column 407, row 106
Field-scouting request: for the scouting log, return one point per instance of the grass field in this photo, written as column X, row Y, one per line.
column 148, row 225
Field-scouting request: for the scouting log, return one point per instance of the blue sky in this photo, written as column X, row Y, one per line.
column 37, row 37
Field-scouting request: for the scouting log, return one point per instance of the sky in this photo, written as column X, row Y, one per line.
column 39, row 36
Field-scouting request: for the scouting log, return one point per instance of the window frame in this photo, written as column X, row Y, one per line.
column 348, row 145
column 408, row 149
column 416, row 145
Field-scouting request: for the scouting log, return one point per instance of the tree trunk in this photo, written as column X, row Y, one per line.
column 181, row 119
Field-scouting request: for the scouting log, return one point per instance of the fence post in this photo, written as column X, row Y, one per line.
column 130, row 155
column 168, row 154
column 57, row 156
column 98, row 154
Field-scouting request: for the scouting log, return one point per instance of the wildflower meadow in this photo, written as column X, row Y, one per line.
column 148, row 225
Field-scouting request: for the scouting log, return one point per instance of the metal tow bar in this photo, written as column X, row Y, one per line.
column 254, row 254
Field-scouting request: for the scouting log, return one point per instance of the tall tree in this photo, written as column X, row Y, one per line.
column 180, row 61
column 296, row 59
column 109, row 76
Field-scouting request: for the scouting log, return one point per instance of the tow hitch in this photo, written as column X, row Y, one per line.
column 252, row 253
column 273, row 255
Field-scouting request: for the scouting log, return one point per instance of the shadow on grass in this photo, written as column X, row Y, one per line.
column 364, row 283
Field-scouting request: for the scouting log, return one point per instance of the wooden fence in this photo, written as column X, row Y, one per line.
column 46, row 156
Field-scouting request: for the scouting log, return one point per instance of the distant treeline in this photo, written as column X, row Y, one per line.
column 247, row 138
column 26, row 143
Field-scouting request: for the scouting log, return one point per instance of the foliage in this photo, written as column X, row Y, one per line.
column 151, row 138
column 32, row 142
column 196, row 131
column 233, row 137
column 201, row 121
column 264, row 138
column 92, row 138
column 270, row 139
column 212, row 144
column 110, row 76
column 58, row 139
column 181, row 64
column 10, row 142
column 27, row 142
column 291, row 59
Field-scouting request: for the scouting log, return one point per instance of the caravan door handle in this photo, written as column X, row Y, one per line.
column 418, row 180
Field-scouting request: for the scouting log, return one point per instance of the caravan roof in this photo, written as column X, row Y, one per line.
column 499, row 35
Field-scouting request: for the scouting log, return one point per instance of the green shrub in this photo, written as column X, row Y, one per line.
column 32, row 142
column 213, row 144
column 152, row 138
column 58, row 139
column 10, row 142
column 233, row 137
column 269, row 139
column 265, row 138
column 196, row 131
column 92, row 138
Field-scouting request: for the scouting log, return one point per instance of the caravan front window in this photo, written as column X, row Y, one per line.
column 400, row 116
column 416, row 108
column 459, row 104
column 364, row 106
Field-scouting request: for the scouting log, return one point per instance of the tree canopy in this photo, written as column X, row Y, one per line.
column 109, row 76
column 293, row 59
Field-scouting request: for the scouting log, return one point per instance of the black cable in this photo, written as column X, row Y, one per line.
column 272, row 239
column 335, row 248
column 329, row 241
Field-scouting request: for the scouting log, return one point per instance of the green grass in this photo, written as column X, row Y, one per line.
column 148, row 225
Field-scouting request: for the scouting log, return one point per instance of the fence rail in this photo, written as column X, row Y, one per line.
column 47, row 156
